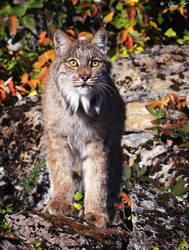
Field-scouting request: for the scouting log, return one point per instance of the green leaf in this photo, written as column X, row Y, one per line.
column 120, row 21
column 162, row 120
column 78, row 196
column 18, row 11
column 179, row 188
column 180, row 41
column 34, row 4
column 28, row 22
column 186, row 38
column 139, row 16
column 170, row 33
column 119, row 6
column 186, row 127
column 78, row 206
column 6, row 10
column 127, row 172
column 183, row 245
column 158, row 113
column 141, row 171
column 137, row 36
column 160, row 18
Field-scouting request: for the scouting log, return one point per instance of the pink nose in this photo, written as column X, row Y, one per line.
column 85, row 77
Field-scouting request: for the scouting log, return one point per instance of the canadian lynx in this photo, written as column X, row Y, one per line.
column 83, row 120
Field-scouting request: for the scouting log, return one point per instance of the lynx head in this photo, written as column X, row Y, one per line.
column 82, row 71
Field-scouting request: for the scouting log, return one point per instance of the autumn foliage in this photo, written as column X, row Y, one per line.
column 132, row 26
column 171, row 121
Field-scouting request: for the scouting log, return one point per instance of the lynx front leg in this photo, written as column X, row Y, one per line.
column 95, row 181
column 60, row 167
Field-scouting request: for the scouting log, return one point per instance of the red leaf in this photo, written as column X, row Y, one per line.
column 120, row 205
column 2, row 94
column 132, row 13
column 94, row 12
column 84, row 5
column 129, row 43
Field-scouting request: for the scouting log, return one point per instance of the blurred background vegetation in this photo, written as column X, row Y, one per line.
column 27, row 26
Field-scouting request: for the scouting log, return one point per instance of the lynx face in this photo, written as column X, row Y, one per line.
column 82, row 71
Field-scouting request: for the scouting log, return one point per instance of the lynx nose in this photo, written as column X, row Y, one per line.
column 85, row 77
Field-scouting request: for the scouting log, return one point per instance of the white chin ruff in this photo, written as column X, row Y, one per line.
column 74, row 99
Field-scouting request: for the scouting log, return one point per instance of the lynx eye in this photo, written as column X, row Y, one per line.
column 73, row 63
column 95, row 63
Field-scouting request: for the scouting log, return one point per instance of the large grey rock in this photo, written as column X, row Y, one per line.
column 159, row 219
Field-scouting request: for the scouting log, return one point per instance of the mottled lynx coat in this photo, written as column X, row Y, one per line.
column 83, row 119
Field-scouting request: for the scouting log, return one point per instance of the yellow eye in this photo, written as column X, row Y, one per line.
column 73, row 63
column 95, row 63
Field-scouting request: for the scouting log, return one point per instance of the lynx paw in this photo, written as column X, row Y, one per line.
column 98, row 220
column 59, row 207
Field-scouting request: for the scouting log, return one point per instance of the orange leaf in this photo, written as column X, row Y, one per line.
column 24, row 78
column 12, row 88
column 41, row 37
column 50, row 54
column 154, row 104
column 126, row 199
column 2, row 84
column 44, row 58
column 71, row 32
column 74, row 2
column 12, row 24
column 123, row 36
column 33, row 83
column 2, row 94
column 21, row 89
column 46, row 41
column 42, row 76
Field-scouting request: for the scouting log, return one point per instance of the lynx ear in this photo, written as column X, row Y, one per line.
column 100, row 40
column 61, row 41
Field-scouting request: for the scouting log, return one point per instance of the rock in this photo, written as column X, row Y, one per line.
column 153, row 73
column 58, row 232
column 136, row 140
column 20, row 151
column 159, row 219
column 137, row 117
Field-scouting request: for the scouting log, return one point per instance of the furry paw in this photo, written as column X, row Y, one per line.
column 59, row 207
column 99, row 220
